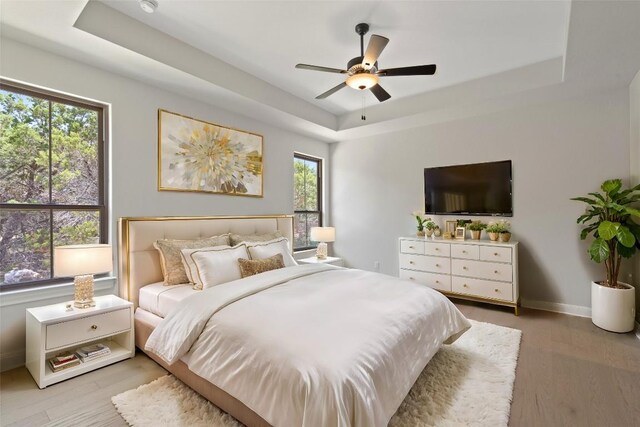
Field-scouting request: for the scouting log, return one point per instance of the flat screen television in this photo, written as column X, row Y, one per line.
column 474, row 189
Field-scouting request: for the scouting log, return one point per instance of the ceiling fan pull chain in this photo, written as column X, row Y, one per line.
column 363, row 116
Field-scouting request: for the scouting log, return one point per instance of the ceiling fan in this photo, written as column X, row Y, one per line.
column 362, row 71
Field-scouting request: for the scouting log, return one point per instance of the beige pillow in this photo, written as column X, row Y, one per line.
column 190, row 266
column 262, row 250
column 171, row 258
column 215, row 266
column 257, row 266
column 239, row 238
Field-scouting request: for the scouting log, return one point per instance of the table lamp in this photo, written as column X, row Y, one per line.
column 323, row 235
column 82, row 262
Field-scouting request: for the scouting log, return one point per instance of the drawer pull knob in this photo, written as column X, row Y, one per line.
column 464, row 252
column 410, row 262
column 437, row 265
column 495, row 254
column 94, row 327
column 496, row 290
column 411, row 278
column 437, row 249
column 464, row 267
column 465, row 286
column 495, row 271
column 411, row 247
column 437, row 281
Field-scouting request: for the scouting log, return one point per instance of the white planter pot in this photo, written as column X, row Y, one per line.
column 613, row 309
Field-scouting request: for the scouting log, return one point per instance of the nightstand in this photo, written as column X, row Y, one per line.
column 328, row 260
column 52, row 329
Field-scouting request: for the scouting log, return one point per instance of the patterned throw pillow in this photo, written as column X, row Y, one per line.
column 239, row 238
column 171, row 258
column 257, row 266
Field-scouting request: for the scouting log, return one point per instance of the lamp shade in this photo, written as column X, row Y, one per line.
column 79, row 260
column 323, row 234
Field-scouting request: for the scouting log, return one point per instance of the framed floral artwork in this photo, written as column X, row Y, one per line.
column 198, row 156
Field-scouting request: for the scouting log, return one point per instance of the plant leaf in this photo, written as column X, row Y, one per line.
column 625, row 237
column 597, row 196
column 585, row 199
column 632, row 211
column 585, row 232
column 611, row 186
column 624, row 251
column 599, row 250
column 607, row 229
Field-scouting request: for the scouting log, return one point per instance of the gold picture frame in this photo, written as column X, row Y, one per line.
column 450, row 226
column 202, row 157
column 460, row 233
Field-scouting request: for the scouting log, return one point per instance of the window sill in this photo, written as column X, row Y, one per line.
column 22, row 296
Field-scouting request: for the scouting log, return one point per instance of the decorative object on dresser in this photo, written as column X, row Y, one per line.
column 328, row 260
column 477, row 270
column 610, row 217
column 450, row 227
column 82, row 261
column 194, row 155
column 436, row 231
column 323, row 235
column 460, row 233
column 96, row 336
column 495, row 229
column 476, row 228
column 422, row 221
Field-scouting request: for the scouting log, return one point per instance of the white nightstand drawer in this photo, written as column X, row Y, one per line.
column 482, row 288
column 489, row 253
column 482, row 270
column 437, row 249
column 411, row 247
column 441, row 282
column 87, row 328
column 465, row 251
column 425, row 263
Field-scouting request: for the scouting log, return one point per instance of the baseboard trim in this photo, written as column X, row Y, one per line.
column 11, row 360
column 556, row 307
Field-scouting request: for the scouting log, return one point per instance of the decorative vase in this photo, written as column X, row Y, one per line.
column 437, row 232
column 505, row 237
column 493, row 236
column 475, row 234
column 420, row 233
column 613, row 309
column 429, row 233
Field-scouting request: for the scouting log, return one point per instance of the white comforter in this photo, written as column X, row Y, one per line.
column 311, row 345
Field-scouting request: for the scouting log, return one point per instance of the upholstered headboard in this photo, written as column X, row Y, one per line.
column 139, row 262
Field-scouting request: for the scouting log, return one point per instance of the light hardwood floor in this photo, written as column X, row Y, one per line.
column 570, row 373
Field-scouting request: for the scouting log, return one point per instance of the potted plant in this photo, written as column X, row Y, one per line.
column 437, row 232
column 610, row 219
column 422, row 220
column 430, row 227
column 476, row 228
column 496, row 229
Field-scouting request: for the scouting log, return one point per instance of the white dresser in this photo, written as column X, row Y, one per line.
column 477, row 270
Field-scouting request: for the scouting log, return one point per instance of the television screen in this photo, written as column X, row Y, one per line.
column 475, row 189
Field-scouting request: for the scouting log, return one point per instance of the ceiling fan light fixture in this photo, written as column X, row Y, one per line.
column 148, row 6
column 362, row 81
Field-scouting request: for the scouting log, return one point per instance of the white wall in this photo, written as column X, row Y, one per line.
column 559, row 150
column 134, row 108
column 634, row 114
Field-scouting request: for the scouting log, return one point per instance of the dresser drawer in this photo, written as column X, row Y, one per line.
column 425, row 263
column 437, row 249
column 411, row 247
column 482, row 288
column 88, row 328
column 482, row 270
column 442, row 282
column 465, row 251
column 489, row 253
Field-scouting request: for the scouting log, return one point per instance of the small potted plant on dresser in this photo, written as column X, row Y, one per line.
column 499, row 229
column 422, row 220
column 476, row 228
column 430, row 227
column 610, row 218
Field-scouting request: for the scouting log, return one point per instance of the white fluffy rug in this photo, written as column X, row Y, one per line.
column 469, row 383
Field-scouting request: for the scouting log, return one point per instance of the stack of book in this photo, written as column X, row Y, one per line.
column 91, row 352
column 63, row 361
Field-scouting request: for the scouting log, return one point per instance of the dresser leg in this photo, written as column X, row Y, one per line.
column 516, row 310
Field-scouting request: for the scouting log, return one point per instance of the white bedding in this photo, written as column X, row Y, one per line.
column 311, row 345
column 159, row 299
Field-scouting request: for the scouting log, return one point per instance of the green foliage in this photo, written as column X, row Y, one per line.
column 610, row 219
column 500, row 226
column 477, row 226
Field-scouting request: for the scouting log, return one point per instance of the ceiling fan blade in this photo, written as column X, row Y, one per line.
column 374, row 49
column 319, row 68
column 380, row 93
column 331, row 91
column 417, row 70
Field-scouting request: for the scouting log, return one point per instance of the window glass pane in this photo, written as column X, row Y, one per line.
column 24, row 246
column 76, row 227
column 24, row 149
column 74, row 166
column 311, row 185
column 299, row 196
column 302, row 229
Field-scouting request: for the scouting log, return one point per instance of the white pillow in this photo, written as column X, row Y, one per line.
column 216, row 266
column 189, row 265
column 262, row 250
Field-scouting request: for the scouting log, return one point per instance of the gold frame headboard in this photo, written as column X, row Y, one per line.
column 155, row 228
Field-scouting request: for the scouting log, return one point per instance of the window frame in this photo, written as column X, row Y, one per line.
column 319, row 186
column 103, row 183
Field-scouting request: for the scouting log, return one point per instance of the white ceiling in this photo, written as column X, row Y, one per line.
column 466, row 39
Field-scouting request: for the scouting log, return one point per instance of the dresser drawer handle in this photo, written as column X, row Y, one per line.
column 465, row 285
column 495, row 254
column 464, row 267
column 411, row 262
column 94, row 327
column 411, row 278
column 496, row 290
column 437, row 265
column 464, row 252
column 411, row 247
column 495, row 271
column 437, row 281
column 437, row 249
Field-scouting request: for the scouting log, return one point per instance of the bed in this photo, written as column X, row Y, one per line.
column 303, row 345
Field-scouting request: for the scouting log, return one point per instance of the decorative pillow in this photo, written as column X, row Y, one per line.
column 239, row 238
column 189, row 265
column 257, row 266
column 171, row 259
column 262, row 250
column 217, row 266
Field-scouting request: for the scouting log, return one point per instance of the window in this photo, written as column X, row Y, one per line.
column 52, row 186
column 307, row 199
